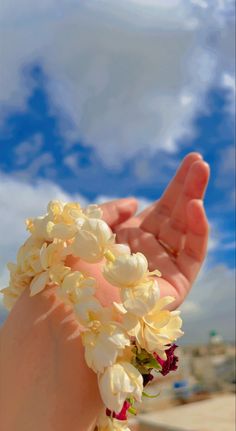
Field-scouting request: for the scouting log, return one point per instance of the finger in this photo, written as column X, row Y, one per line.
column 163, row 208
column 173, row 231
column 117, row 211
column 192, row 256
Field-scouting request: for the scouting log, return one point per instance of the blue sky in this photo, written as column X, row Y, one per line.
column 105, row 99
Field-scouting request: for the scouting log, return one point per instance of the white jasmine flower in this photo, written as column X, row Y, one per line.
column 92, row 240
column 93, row 211
column 127, row 270
column 52, row 254
column 55, row 209
column 71, row 212
column 87, row 306
column 75, row 287
column 106, row 423
column 156, row 329
column 61, row 230
column 39, row 283
column 119, row 249
column 28, row 258
column 118, row 382
column 103, row 342
column 142, row 298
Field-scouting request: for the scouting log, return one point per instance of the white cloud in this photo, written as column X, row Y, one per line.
column 124, row 75
column 26, row 150
column 210, row 305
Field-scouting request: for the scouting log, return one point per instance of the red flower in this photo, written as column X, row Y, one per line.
column 122, row 416
column 147, row 378
column 169, row 364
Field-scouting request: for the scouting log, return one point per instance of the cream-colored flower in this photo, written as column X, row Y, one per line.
column 10, row 296
column 93, row 211
column 18, row 279
column 39, row 227
column 106, row 423
column 61, row 231
column 157, row 329
column 52, row 254
column 65, row 213
column 55, row 209
column 39, row 283
column 118, row 382
column 28, row 257
column 87, row 306
column 75, row 287
column 54, row 274
column 127, row 270
column 71, row 212
column 142, row 298
column 92, row 240
column 119, row 249
column 103, row 342
column 58, row 272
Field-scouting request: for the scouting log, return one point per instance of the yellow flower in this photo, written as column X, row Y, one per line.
column 118, row 382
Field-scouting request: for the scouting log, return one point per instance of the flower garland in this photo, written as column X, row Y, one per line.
column 123, row 343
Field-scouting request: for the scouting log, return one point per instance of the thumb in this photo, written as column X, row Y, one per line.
column 118, row 211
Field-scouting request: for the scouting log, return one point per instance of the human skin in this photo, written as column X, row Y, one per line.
column 45, row 383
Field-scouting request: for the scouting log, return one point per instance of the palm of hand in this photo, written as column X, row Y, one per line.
column 173, row 233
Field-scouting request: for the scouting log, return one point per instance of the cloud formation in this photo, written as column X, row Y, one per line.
column 210, row 305
column 123, row 75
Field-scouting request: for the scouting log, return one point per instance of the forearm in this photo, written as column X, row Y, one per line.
column 45, row 383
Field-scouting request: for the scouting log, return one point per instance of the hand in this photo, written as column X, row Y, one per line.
column 45, row 383
column 173, row 232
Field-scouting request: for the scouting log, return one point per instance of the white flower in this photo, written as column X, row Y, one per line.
column 106, row 423
column 55, row 209
column 142, row 298
column 119, row 249
column 103, row 342
column 28, row 258
column 52, row 254
column 93, row 211
column 87, row 306
column 61, row 230
column 91, row 241
column 10, row 296
column 127, row 270
column 39, row 283
column 75, row 287
column 157, row 329
column 119, row 382
column 54, row 274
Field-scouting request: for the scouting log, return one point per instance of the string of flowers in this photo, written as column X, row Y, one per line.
column 123, row 343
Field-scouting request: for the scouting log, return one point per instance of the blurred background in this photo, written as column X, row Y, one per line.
column 102, row 99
